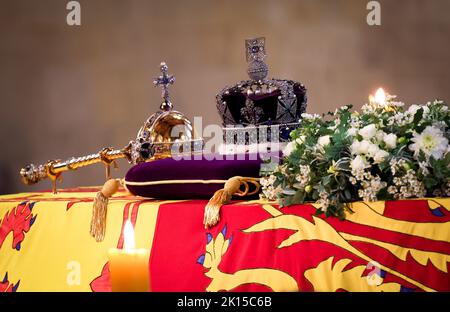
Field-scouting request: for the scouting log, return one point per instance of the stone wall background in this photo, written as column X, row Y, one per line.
column 67, row 91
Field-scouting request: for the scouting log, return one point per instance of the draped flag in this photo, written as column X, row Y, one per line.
column 257, row 246
column 383, row 246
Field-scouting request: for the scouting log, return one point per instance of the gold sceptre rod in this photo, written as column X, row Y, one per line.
column 137, row 151
column 32, row 174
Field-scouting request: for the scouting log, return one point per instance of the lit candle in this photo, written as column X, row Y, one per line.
column 380, row 100
column 129, row 266
column 380, row 97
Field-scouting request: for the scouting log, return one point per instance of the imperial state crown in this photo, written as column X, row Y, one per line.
column 260, row 102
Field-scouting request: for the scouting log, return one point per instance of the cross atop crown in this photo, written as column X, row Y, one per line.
column 164, row 81
column 255, row 49
column 256, row 53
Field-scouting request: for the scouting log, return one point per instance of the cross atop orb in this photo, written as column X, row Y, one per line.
column 164, row 81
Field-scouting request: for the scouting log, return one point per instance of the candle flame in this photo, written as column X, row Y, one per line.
column 380, row 96
column 128, row 235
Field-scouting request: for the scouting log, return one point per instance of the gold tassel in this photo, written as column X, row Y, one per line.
column 100, row 209
column 223, row 196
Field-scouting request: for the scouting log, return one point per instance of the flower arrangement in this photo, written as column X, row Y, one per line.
column 385, row 152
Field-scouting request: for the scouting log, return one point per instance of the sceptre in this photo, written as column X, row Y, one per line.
column 154, row 140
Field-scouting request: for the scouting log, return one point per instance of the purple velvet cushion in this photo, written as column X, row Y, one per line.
column 161, row 172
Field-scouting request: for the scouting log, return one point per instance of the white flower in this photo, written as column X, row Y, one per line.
column 324, row 140
column 352, row 131
column 268, row 190
column 370, row 187
column 370, row 149
column 358, row 147
column 373, row 150
column 355, row 121
column 358, row 163
column 423, row 167
column 407, row 186
column 412, row 110
column 380, row 156
column 368, row 108
column 431, row 141
column 324, row 201
column 355, row 147
column 380, row 135
column 400, row 119
column 303, row 177
column 368, row 131
column 268, row 181
column 289, row 148
column 390, row 140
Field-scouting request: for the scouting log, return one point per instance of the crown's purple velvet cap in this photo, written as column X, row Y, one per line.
column 235, row 101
